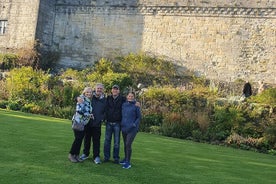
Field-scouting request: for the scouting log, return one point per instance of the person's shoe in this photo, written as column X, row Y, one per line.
column 78, row 158
column 126, row 165
column 97, row 160
column 122, row 162
column 72, row 158
column 83, row 157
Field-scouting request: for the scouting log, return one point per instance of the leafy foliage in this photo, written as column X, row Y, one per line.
column 171, row 106
column 8, row 61
column 268, row 96
column 146, row 69
column 27, row 84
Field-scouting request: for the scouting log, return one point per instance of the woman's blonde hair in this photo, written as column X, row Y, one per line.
column 86, row 89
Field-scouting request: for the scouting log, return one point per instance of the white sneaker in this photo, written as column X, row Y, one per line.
column 97, row 160
column 83, row 157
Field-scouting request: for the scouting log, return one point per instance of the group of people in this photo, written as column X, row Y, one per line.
column 121, row 115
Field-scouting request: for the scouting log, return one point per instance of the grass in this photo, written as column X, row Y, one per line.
column 34, row 149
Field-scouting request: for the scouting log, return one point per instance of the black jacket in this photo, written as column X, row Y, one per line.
column 98, row 111
column 114, row 108
column 247, row 91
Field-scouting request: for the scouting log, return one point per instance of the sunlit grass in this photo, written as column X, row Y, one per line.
column 34, row 150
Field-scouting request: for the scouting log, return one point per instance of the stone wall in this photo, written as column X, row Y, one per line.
column 84, row 34
column 215, row 42
column 227, row 40
column 22, row 18
column 45, row 23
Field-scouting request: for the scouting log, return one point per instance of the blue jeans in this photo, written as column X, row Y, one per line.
column 112, row 128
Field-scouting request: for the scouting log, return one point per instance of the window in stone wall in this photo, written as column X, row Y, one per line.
column 3, row 26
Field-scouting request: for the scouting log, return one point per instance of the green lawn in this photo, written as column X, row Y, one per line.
column 34, row 149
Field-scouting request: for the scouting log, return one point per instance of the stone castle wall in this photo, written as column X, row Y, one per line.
column 22, row 19
column 226, row 40
column 45, row 25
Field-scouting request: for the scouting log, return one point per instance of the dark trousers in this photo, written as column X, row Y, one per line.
column 76, row 146
column 128, row 140
column 94, row 134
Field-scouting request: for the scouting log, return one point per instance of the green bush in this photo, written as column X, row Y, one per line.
column 4, row 104
column 27, row 83
column 4, row 93
column 14, row 105
column 272, row 152
column 155, row 129
column 8, row 61
column 121, row 79
column 147, row 69
column 268, row 97
column 33, row 108
column 63, row 95
column 270, row 135
column 61, row 112
column 247, row 143
column 176, row 125
column 225, row 120
column 103, row 71
column 149, row 121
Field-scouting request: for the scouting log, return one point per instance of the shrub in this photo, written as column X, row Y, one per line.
column 103, row 71
column 100, row 69
column 121, row 79
column 176, row 125
column 62, row 112
column 149, row 121
column 270, row 135
column 4, row 104
column 149, row 70
column 197, row 135
column 27, row 83
column 33, row 108
column 268, row 97
column 63, row 95
column 4, row 93
column 155, row 129
column 225, row 120
column 249, row 143
column 14, row 105
column 8, row 61
column 272, row 152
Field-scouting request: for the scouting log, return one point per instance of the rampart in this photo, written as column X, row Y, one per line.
column 228, row 40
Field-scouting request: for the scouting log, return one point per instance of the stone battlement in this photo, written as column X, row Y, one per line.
column 234, row 12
